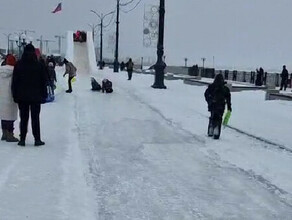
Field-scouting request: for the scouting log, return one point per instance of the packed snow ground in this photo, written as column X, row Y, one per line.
column 141, row 153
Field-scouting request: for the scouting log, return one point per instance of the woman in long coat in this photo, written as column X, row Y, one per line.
column 8, row 108
column 29, row 90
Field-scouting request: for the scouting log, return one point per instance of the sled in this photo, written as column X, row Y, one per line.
column 51, row 96
column 226, row 118
column 73, row 79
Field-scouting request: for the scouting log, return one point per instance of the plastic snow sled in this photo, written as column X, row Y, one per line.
column 226, row 118
column 73, row 79
column 51, row 96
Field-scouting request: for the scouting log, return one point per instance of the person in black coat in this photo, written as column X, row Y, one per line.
column 29, row 91
column 107, row 86
column 284, row 76
column 217, row 96
column 122, row 66
column 259, row 77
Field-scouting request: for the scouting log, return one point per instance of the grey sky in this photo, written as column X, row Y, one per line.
column 238, row 33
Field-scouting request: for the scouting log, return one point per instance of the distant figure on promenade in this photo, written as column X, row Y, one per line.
column 71, row 71
column 122, row 66
column 29, row 90
column 130, row 67
column 8, row 108
column 217, row 96
column 259, row 77
column 284, row 76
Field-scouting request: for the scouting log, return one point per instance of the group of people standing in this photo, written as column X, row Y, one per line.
column 261, row 78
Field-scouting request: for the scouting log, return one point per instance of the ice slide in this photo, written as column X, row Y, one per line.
column 82, row 54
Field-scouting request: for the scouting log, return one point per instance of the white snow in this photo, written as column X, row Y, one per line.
column 141, row 153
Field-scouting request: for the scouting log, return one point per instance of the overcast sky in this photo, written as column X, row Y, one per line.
column 238, row 33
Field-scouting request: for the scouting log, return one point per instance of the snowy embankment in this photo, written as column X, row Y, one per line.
column 141, row 153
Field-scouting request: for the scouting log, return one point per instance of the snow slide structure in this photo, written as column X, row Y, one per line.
column 82, row 54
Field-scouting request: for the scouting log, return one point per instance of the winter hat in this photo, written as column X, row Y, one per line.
column 29, row 49
column 10, row 60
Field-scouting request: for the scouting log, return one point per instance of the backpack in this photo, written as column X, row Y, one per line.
column 51, row 96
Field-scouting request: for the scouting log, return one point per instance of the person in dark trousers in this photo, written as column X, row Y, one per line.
column 284, row 76
column 95, row 86
column 130, row 67
column 71, row 71
column 217, row 96
column 29, row 91
column 259, row 77
column 122, row 66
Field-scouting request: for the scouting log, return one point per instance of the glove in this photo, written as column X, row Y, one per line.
column 229, row 108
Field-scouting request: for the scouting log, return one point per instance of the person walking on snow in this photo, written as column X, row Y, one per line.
column 29, row 89
column 217, row 96
column 130, row 67
column 8, row 108
column 284, row 76
column 71, row 71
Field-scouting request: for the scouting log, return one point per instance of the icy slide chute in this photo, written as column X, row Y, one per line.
column 82, row 54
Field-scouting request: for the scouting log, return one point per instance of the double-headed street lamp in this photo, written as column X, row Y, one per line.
column 20, row 41
column 160, row 64
column 101, row 17
column 8, row 42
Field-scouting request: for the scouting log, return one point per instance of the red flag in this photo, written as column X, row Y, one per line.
column 58, row 8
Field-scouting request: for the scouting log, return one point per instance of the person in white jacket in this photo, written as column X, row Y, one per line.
column 8, row 108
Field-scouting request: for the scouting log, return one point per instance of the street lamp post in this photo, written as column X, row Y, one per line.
column 142, row 59
column 160, row 64
column 203, row 59
column 59, row 37
column 101, row 17
column 41, row 44
column 116, row 61
column 20, row 43
column 8, row 42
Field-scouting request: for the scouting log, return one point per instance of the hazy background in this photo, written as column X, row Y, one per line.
column 240, row 34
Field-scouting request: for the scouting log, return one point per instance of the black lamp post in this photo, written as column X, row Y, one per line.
column 203, row 59
column 101, row 17
column 8, row 42
column 116, row 61
column 160, row 64
column 186, row 62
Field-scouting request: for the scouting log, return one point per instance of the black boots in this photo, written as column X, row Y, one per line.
column 21, row 143
column 68, row 91
column 39, row 143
